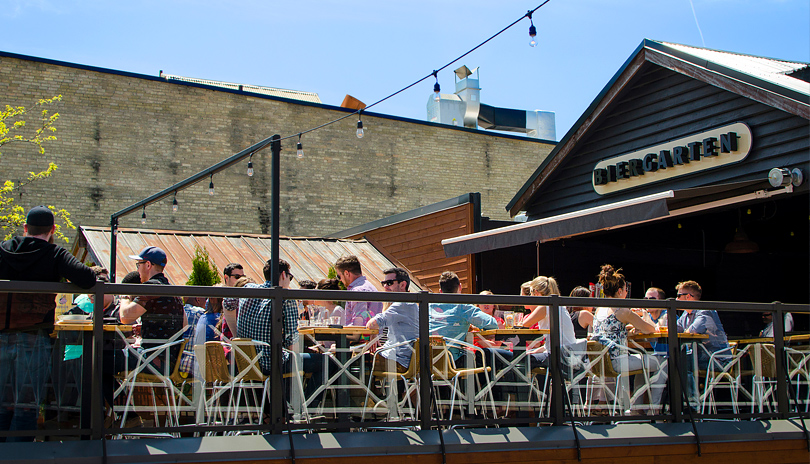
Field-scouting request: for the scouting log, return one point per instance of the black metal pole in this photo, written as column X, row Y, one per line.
column 555, row 364
column 113, row 246
column 275, row 149
column 782, row 404
column 96, row 407
column 425, row 360
column 674, row 351
column 278, row 405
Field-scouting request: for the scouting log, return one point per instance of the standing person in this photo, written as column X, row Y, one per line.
column 401, row 320
column 161, row 317
column 26, row 319
column 349, row 272
column 610, row 329
column 254, row 322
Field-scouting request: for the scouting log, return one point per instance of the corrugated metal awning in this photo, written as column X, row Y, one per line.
column 309, row 258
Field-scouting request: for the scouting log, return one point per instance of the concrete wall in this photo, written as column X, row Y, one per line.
column 123, row 137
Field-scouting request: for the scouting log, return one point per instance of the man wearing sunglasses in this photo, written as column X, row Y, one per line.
column 401, row 320
column 701, row 321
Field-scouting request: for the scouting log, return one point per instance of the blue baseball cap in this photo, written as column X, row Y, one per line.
column 152, row 254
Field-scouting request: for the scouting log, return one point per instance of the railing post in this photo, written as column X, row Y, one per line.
column 425, row 384
column 96, row 407
column 674, row 351
column 278, row 402
column 555, row 364
column 782, row 404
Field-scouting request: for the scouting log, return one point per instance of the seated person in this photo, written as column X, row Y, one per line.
column 767, row 318
column 545, row 286
column 452, row 320
column 401, row 320
column 702, row 322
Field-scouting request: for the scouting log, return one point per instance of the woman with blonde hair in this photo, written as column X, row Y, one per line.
column 610, row 329
column 546, row 286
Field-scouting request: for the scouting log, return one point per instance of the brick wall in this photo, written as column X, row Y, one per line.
column 124, row 137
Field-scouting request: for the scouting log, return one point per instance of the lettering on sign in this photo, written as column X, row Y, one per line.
column 694, row 153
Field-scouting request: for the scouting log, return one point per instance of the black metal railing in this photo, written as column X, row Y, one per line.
column 560, row 410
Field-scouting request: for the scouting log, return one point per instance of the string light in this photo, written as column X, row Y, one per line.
column 299, row 149
column 143, row 216
column 250, row 166
column 175, row 205
column 360, row 131
column 437, row 89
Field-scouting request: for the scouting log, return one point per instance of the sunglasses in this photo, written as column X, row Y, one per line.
column 387, row 283
column 650, row 298
column 138, row 263
column 684, row 294
column 236, row 275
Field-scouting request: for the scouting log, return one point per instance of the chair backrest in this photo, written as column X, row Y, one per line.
column 244, row 351
column 441, row 360
column 413, row 366
column 767, row 360
column 597, row 355
column 216, row 365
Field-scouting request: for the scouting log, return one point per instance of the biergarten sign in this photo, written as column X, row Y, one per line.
column 687, row 155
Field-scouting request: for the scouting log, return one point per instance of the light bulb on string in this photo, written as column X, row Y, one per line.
column 250, row 166
column 532, row 30
column 175, row 205
column 211, row 186
column 143, row 216
column 437, row 89
column 299, row 149
column 360, row 132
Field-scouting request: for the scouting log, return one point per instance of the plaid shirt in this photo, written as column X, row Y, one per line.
column 253, row 321
column 193, row 314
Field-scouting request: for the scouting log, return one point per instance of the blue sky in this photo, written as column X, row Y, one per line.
column 370, row 49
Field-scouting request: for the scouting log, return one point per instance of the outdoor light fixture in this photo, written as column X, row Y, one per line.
column 782, row 177
column 436, row 87
column 211, row 185
column 175, row 206
column 360, row 132
column 299, row 149
column 250, row 168
column 532, row 30
column 143, row 216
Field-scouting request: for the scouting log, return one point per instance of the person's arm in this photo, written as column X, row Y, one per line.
column 74, row 270
column 700, row 324
column 585, row 318
column 627, row 316
column 481, row 319
column 230, row 307
column 290, row 327
column 374, row 322
column 534, row 317
column 130, row 311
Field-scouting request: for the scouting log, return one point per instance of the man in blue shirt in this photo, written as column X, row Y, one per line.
column 452, row 320
column 401, row 320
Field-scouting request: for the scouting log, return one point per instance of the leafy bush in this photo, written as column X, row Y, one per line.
column 203, row 271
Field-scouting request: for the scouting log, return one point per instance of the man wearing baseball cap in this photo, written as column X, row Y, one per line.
column 26, row 319
column 161, row 317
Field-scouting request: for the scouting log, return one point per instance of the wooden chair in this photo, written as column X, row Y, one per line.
column 389, row 377
column 445, row 373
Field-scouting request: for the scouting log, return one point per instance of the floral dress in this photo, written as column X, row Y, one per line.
column 610, row 332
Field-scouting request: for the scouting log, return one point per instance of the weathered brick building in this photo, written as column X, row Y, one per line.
column 124, row 136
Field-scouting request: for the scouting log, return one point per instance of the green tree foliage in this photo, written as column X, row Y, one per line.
column 14, row 129
column 203, row 271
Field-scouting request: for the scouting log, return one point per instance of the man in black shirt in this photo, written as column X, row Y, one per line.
column 26, row 319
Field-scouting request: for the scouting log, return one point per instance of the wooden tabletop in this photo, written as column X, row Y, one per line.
column 789, row 338
column 347, row 330
column 88, row 327
column 682, row 335
column 513, row 331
